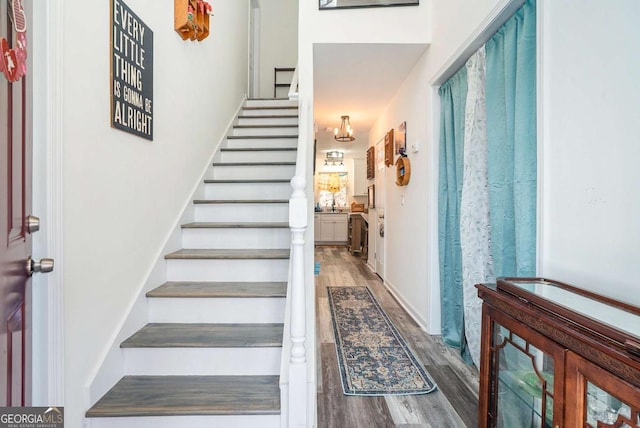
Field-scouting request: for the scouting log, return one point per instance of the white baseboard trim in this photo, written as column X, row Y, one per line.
column 422, row 323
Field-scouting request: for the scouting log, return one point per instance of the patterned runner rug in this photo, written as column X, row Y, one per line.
column 373, row 357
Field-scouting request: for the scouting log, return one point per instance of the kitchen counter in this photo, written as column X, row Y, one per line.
column 364, row 214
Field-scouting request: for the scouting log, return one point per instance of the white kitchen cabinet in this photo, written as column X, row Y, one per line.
column 331, row 228
column 316, row 227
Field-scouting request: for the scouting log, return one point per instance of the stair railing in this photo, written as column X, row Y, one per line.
column 295, row 400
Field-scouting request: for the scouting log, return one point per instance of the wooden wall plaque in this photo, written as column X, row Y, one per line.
column 388, row 148
column 371, row 163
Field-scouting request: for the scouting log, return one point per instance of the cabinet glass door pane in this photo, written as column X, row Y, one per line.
column 523, row 382
column 606, row 410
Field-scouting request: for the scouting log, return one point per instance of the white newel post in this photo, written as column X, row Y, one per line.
column 298, row 359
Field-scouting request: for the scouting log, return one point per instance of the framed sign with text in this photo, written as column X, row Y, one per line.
column 131, row 72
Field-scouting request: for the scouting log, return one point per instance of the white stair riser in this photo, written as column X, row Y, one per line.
column 238, row 172
column 270, row 103
column 222, row 421
column 248, row 190
column 251, row 120
column 223, row 310
column 261, row 131
column 227, row 270
column 257, row 120
column 256, row 156
column 242, row 212
column 246, row 143
column 269, row 111
column 236, row 238
column 202, row 361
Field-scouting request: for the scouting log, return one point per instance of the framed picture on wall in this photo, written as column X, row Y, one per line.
column 371, row 163
column 371, row 202
column 401, row 139
column 388, row 148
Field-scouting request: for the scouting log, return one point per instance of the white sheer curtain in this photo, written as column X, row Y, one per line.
column 475, row 233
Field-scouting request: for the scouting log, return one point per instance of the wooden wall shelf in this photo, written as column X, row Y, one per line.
column 191, row 19
column 403, row 171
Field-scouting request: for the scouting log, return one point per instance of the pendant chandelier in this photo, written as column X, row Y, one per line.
column 345, row 132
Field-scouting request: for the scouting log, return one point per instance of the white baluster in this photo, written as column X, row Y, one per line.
column 298, row 358
column 298, row 221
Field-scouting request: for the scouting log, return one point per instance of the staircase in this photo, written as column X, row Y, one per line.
column 210, row 354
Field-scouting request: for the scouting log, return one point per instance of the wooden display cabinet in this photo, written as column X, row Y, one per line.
column 555, row 356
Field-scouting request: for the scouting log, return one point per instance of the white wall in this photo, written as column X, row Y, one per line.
column 407, row 260
column 278, row 42
column 591, row 123
column 411, row 252
column 124, row 194
column 590, row 235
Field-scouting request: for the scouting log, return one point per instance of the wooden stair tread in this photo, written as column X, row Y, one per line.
column 257, row 137
column 248, row 181
column 253, row 163
column 274, row 116
column 265, row 99
column 190, row 395
column 213, row 225
column 219, row 289
column 204, row 254
column 270, row 107
column 264, row 126
column 241, row 201
column 175, row 335
column 259, row 149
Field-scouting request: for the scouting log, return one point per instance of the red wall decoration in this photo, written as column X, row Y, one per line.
column 13, row 59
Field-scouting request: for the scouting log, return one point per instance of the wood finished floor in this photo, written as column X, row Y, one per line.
column 454, row 404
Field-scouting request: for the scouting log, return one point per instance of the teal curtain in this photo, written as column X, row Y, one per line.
column 511, row 138
column 512, row 166
column 510, row 88
column 453, row 94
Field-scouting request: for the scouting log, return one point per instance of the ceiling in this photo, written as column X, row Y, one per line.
column 357, row 80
